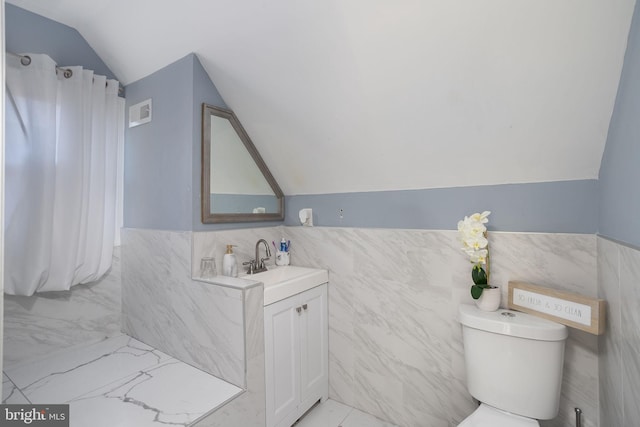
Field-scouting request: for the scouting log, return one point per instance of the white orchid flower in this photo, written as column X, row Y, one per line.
column 481, row 217
column 476, row 242
column 472, row 225
column 472, row 233
column 479, row 257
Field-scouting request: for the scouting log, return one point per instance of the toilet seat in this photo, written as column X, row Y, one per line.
column 488, row 416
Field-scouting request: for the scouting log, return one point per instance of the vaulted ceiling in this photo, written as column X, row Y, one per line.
column 366, row 95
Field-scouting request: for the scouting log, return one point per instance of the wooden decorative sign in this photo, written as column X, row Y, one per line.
column 573, row 310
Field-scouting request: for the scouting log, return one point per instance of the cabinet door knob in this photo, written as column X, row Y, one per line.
column 304, row 306
column 298, row 309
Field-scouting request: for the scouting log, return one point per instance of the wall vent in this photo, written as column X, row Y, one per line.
column 140, row 113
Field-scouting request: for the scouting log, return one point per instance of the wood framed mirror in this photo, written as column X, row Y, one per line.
column 236, row 184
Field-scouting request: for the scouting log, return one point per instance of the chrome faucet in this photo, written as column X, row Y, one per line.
column 259, row 262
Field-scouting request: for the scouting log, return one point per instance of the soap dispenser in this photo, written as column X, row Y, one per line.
column 230, row 263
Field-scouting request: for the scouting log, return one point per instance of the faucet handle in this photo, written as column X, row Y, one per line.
column 251, row 264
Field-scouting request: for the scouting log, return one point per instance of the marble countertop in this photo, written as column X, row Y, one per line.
column 230, row 282
column 277, row 280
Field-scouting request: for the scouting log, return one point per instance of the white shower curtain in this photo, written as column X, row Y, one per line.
column 63, row 142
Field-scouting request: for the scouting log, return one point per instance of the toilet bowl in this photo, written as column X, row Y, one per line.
column 488, row 416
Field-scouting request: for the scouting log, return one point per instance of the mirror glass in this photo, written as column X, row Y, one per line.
column 237, row 186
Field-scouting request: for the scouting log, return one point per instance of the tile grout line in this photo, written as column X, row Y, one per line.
column 345, row 417
column 15, row 389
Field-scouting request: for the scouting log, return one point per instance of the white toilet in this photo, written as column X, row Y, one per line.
column 514, row 366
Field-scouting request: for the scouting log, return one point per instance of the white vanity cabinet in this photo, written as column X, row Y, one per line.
column 296, row 355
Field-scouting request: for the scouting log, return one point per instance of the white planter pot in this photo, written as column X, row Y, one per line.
column 489, row 300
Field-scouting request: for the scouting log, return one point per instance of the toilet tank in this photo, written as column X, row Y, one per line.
column 513, row 360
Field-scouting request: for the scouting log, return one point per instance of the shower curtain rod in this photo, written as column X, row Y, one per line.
column 26, row 60
column 67, row 73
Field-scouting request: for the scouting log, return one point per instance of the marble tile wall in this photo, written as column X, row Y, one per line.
column 45, row 323
column 248, row 409
column 619, row 284
column 214, row 244
column 395, row 344
column 198, row 323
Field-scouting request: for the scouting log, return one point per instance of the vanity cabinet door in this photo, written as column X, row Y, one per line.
column 282, row 360
column 314, row 353
column 296, row 355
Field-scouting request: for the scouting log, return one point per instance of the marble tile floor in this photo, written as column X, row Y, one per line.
column 334, row 414
column 118, row 382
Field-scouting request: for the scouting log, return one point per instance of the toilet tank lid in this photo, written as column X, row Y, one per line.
column 514, row 323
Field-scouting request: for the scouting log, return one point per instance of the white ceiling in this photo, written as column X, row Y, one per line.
column 366, row 95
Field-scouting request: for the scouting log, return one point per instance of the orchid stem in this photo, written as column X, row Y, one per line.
column 486, row 235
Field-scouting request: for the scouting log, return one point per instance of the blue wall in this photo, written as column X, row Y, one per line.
column 26, row 32
column 619, row 216
column 158, row 189
column 203, row 90
column 162, row 158
column 558, row 207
